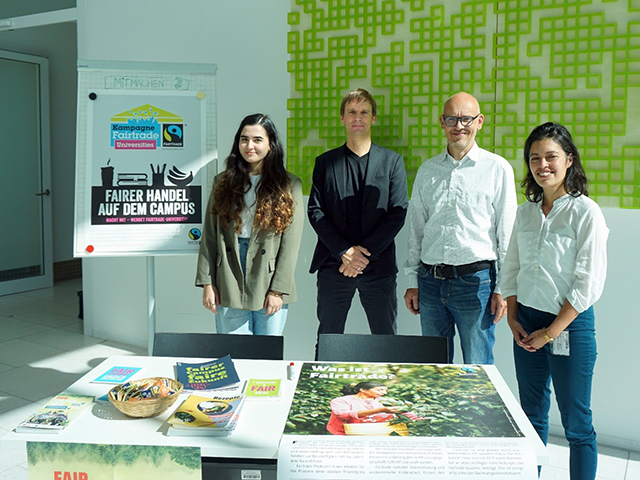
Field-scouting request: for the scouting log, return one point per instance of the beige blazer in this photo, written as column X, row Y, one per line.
column 271, row 259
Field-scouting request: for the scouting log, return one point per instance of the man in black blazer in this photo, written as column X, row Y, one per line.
column 357, row 206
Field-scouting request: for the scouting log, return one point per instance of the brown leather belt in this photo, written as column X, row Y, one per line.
column 445, row 272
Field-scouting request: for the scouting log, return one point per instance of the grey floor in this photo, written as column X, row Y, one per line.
column 43, row 350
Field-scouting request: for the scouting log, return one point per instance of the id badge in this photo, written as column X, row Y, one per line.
column 561, row 345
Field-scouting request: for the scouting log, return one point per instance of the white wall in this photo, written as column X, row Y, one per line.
column 252, row 76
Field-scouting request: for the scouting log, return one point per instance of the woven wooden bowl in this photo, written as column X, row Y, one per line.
column 147, row 407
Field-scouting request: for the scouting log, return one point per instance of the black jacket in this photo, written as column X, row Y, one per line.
column 384, row 208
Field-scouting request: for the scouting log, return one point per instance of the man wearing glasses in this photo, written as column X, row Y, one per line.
column 461, row 214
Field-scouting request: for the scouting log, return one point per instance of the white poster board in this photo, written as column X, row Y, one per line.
column 402, row 422
column 145, row 160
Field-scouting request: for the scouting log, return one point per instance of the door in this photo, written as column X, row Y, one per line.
column 25, row 186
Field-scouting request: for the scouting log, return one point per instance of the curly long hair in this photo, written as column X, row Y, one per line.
column 575, row 181
column 274, row 202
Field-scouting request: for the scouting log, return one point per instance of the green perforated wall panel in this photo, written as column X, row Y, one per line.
column 527, row 61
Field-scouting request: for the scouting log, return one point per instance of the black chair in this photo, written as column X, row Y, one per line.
column 216, row 345
column 382, row 348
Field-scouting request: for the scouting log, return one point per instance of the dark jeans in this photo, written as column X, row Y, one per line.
column 377, row 295
column 463, row 303
column 572, row 376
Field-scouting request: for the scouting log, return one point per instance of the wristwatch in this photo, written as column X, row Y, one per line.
column 275, row 294
column 546, row 335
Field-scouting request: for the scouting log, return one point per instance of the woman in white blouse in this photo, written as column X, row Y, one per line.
column 553, row 273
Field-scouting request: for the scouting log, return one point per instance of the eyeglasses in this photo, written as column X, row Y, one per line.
column 453, row 121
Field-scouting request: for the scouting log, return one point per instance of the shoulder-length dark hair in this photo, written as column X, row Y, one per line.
column 353, row 389
column 274, row 202
column 575, row 182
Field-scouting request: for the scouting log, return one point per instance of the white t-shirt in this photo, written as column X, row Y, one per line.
column 250, row 209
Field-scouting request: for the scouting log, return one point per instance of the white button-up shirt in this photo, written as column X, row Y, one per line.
column 460, row 211
column 560, row 257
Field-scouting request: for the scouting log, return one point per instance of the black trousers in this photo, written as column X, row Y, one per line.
column 377, row 296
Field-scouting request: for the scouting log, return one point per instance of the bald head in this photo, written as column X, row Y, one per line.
column 461, row 119
column 461, row 102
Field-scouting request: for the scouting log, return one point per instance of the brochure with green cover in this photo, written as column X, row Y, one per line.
column 263, row 388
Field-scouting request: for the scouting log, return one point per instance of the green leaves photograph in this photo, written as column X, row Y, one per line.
column 432, row 400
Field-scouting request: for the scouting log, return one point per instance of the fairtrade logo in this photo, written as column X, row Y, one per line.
column 195, row 234
column 172, row 135
column 172, row 131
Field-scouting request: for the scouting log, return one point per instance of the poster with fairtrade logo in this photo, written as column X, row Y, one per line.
column 145, row 162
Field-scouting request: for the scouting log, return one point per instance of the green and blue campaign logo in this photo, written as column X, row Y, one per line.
column 146, row 128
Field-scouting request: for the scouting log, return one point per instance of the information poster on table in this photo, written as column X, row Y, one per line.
column 392, row 421
column 87, row 461
column 145, row 156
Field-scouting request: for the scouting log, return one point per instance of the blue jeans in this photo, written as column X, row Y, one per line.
column 572, row 377
column 249, row 322
column 463, row 303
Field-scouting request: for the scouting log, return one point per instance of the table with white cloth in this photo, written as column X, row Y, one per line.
column 253, row 445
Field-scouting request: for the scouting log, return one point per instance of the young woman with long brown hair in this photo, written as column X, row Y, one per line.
column 251, row 235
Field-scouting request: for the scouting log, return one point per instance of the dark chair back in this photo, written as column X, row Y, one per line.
column 383, row 348
column 216, row 345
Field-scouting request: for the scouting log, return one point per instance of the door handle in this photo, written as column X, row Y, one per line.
column 46, row 192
